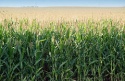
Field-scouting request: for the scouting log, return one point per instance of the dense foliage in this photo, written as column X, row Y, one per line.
column 84, row 51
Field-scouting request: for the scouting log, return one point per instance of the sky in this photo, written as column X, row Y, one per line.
column 54, row 3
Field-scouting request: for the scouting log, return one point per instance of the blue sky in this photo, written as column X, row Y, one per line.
column 48, row 3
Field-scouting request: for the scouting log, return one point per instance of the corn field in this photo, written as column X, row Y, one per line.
column 84, row 51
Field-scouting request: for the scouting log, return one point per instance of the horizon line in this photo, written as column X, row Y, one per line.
column 58, row 6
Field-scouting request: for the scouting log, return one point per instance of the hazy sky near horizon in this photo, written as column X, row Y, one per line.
column 48, row 3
